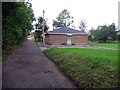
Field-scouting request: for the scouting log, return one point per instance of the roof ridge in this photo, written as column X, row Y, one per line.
column 66, row 30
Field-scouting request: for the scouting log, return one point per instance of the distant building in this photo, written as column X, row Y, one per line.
column 66, row 36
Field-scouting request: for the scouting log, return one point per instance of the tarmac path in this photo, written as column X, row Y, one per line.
column 29, row 68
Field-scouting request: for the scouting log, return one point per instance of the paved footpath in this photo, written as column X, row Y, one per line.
column 29, row 68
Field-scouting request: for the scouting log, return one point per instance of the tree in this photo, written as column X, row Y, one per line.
column 91, row 34
column 63, row 19
column 40, row 24
column 104, row 33
column 113, row 33
column 39, row 28
column 82, row 26
column 17, row 18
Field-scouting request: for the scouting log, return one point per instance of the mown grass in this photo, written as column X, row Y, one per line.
column 106, row 45
column 87, row 67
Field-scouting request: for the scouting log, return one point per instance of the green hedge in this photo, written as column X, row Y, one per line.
column 17, row 20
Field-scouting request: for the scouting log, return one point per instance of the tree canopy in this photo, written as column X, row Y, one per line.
column 17, row 18
column 39, row 29
column 63, row 19
column 39, row 25
column 82, row 26
column 103, row 33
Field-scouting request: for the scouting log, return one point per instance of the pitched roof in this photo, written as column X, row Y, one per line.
column 65, row 30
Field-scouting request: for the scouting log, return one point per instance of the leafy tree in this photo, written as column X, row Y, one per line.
column 63, row 19
column 82, row 26
column 39, row 28
column 17, row 18
column 91, row 36
column 104, row 33
column 40, row 24
column 113, row 33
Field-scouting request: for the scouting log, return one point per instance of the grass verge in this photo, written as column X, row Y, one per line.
column 106, row 45
column 9, row 50
column 87, row 67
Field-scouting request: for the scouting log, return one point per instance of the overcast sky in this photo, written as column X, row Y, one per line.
column 94, row 12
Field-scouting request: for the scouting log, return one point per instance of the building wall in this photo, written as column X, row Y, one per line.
column 47, row 39
column 81, row 40
column 56, row 39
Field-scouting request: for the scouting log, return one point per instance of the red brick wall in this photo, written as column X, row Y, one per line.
column 55, row 39
column 81, row 40
column 47, row 39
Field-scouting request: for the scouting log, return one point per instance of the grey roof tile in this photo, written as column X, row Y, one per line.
column 66, row 30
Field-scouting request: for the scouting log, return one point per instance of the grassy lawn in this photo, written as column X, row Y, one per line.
column 106, row 45
column 87, row 67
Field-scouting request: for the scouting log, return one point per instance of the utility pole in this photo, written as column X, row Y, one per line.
column 43, row 29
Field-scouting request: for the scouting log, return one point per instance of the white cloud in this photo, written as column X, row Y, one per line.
column 95, row 12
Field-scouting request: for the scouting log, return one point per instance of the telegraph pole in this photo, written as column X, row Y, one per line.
column 43, row 29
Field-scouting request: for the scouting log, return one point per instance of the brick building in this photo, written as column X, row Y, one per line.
column 66, row 36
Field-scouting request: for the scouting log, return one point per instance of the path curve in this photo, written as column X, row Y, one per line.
column 29, row 68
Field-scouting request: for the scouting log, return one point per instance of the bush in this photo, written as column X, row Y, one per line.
column 37, row 37
column 17, row 20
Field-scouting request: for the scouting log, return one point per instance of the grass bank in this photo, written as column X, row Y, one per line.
column 9, row 50
column 87, row 67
